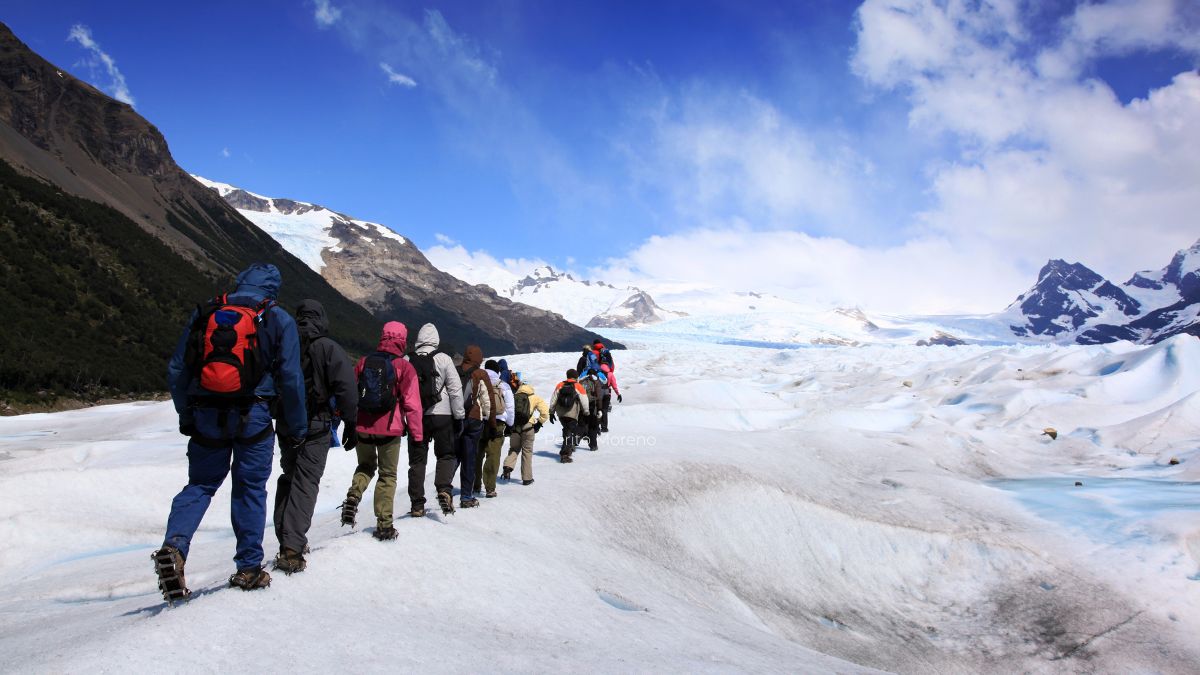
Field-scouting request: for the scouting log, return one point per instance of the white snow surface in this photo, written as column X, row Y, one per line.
column 304, row 235
column 753, row 510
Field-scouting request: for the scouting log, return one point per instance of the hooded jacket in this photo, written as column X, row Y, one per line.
column 279, row 344
column 578, row 410
column 479, row 387
column 537, row 406
column 407, row 413
column 506, row 393
column 612, row 378
column 332, row 371
column 447, row 380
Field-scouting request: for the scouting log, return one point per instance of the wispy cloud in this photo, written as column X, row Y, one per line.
column 397, row 78
column 225, row 153
column 116, row 81
column 325, row 13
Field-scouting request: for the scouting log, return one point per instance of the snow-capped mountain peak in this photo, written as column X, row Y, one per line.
column 1067, row 296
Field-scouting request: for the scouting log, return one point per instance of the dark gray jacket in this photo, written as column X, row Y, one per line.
column 332, row 370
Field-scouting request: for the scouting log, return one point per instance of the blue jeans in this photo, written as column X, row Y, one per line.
column 468, row 449
column 208, row 464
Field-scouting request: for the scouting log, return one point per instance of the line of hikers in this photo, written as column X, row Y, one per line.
column 243, row 361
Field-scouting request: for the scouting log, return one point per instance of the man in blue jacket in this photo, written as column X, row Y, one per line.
column 236, row 356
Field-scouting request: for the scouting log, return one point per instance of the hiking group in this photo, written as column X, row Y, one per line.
column 246, row 374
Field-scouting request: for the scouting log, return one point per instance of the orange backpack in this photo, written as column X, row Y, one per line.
column 223, row 349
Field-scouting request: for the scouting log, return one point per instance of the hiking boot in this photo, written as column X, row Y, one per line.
column 384, row 533
column 490, row 494
column 469, row 503
column 250, row 579
column 566, row 459
column 349, row 512
column 446, row 501
column 168, row 566
column 289, row 561
column 507, row 474
column 417, row 511
column 527, row 482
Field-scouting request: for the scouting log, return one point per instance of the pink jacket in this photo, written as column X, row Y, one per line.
column 408, row 398
column 612, row 378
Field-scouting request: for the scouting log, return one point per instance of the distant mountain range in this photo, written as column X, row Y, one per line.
column 1072, row 303
column 592, row 304
column 386, row 273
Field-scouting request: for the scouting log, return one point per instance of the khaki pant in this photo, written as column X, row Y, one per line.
column 491, row 459
column 520, row 443
column 382, row 453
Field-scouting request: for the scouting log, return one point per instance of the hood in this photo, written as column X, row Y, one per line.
column 472, row 358
column 493, row 375
column 394, row 339
column 260, row 279
column 428, row 339
column 311, row 319
column 504, row 371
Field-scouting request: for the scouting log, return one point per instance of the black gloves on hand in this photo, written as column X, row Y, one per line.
column 188, row 429
column 350, row 438
column 537, row 427
column 552, row 418
column 619, row 399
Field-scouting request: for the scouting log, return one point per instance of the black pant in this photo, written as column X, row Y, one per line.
column 570, row 430
column 440, row 430
column 606, row 404
column 296, row 490
column 589, row 426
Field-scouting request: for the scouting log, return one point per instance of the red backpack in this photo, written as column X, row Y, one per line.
column 223, row 350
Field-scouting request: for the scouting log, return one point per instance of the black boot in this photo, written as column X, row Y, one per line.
column 349, row 511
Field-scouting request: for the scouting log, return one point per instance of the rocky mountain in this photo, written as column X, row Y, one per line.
column 107, row 243
column 388, row 275
column 592, row 304
column 1071, row 303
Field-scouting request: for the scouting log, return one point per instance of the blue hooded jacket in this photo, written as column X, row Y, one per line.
column 279, row 342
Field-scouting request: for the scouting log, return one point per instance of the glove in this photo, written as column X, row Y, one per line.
column 187, row 429
column 350, row 438
column 619, row 399
column 537, row 427
column 458, row 426
column 553, row 419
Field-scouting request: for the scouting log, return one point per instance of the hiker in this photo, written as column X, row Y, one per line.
column 488, row 462
column 389, row 407
column 331, row 394
column 610, row 388
column 524, row 428
column 442, row 402
column 569, row 403
column 594, row 355
column 593, row 383
column 239, row 353
column 478, row 396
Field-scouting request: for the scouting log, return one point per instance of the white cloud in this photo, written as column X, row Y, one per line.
column 1051, row 164
column 397, row 78
column 325, row 13
column 225, row 153
column 479, row 267
column 117, row 87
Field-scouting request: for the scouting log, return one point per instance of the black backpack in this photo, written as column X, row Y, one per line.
column 467, row 389
column 522, row 411
column 377, row 384
column 316, row 400
column 567, row 398
column 427, row 385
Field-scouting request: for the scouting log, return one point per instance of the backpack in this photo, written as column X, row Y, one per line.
column 467, row 389
column 522, row 411
column 315, row 397
column 498, row 407
column 592, row 387
column 377, row 383
column 427, row 383
column 567, row 398
column 606, row 358
column 223, row 350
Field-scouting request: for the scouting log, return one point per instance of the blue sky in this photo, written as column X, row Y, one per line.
column 907, row 155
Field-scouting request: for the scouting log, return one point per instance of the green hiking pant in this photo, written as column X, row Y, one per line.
column 489, row 457
column 380, row 453
column 520, row 444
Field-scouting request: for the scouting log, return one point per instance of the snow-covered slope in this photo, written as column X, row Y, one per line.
column 799, row 510
column 305, row 230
